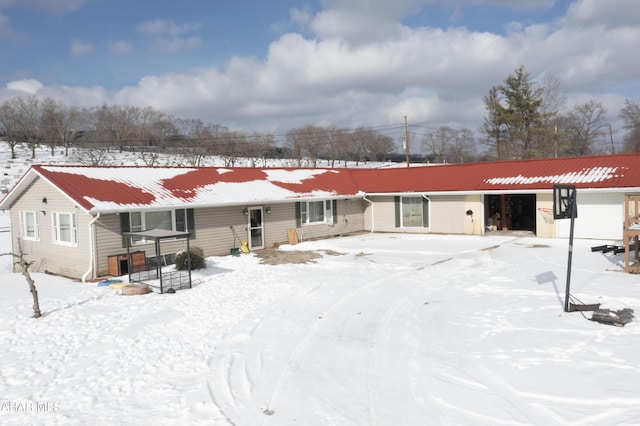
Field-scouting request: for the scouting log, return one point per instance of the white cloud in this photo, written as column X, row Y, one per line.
column 299, row 17
column 516, row 5
column 610, row 13
column 29, row 86
column 121, row 48
column 346, row 77
column 80, row 49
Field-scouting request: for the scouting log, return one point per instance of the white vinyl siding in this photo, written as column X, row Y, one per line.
column 448, row 214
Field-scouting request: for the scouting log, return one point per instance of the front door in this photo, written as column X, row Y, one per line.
column 256, row 234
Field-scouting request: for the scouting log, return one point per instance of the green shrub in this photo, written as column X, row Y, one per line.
column 197, row 259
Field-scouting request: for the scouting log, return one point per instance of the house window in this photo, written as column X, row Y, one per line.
column 29, row 225
column 172, row 220
column 64, row 228
column 316, row 212
column 412, row 212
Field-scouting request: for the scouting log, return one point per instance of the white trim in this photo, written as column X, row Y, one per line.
column 73, row 229
column 23, row 225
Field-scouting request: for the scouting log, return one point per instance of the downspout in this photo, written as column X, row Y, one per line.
column 373, row 223
column 92, row 250
column 426, row 197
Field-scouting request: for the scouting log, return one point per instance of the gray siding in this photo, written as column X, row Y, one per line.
column 214, row 236
column 381, row 217
column 47, row 255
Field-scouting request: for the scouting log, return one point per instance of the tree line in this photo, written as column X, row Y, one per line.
column 525, row 119
column 115, row 128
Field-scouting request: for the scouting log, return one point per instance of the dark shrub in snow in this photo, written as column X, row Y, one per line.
column 197, row 259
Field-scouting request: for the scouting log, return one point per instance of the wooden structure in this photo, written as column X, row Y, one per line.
column 631, row 232
column 119, row 263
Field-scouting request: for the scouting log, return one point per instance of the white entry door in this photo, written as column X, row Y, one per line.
column 256, row 228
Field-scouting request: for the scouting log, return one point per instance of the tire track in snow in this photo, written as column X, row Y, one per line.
column 476, row 378
column 229, row 399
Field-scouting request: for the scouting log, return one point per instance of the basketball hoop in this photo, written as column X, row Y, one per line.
column 547, row 214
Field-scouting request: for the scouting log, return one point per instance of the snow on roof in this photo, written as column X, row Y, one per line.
column 112, row 188
column 587, row 175
column 118, row 188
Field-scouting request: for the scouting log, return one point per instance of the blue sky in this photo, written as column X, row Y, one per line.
column 266, row 65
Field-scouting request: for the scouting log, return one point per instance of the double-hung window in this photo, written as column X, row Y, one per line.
column 29, row 225
column 316, row 212
column 64, row 228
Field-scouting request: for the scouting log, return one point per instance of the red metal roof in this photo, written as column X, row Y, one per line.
column 118, row 188
column 611, row 171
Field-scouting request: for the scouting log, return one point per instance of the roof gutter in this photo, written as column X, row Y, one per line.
column 92, row 248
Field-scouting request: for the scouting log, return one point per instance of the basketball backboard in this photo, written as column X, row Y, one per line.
column 564, row 202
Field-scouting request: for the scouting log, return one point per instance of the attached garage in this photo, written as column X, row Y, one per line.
column 600, row 216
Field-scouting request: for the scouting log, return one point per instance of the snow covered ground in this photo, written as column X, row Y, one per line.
column 395, row 330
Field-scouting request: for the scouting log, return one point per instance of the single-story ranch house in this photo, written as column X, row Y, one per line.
column 70, row 219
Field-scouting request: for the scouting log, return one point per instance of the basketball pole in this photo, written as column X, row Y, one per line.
column 572, row 208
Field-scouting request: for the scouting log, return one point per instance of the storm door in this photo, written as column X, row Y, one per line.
column 256, row 234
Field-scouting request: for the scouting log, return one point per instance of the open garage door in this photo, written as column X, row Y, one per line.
column 512, row 212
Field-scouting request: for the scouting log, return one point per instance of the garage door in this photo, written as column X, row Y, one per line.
column 600, row 216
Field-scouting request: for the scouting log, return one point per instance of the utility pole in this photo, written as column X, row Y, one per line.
column 613, row 149
column 406, row 139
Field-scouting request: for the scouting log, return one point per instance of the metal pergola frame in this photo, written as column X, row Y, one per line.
column 158, row 235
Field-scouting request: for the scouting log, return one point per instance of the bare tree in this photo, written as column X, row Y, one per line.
column 379, row 146
column 231, row 145
column 336, row 144
column 60, row 125
column 437, row 143
column 359, row 144
column 21, row 261
column 261, row 145
column 462, row 147
column 295, row 145
column 117, row 125
column 10, row 126
column 28, row 119
column 586, row 125
column 630, row 115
